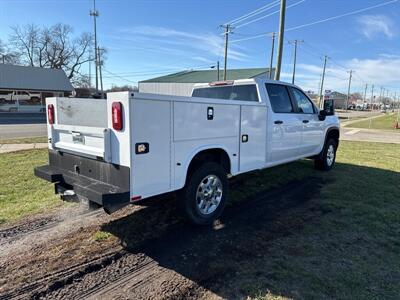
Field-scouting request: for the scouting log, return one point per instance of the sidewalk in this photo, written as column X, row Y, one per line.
column 369, row 135
column 6, row 148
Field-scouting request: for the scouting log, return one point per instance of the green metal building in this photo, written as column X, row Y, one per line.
column 181, row 83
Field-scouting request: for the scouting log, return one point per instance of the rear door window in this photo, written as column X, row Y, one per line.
column 279, row 98
column 232, row 92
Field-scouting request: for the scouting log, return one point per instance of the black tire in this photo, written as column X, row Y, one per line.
column 323, row 162
column 188, row 196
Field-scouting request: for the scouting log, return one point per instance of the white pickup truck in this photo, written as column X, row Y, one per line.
column 134, row 146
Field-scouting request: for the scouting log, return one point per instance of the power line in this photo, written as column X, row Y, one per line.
column 337, row 64
column 320, row 21
column 254, row 13
column 124, row 77
column 176, row 69
column 268, row 15
column 342, row 15
column 120, row 77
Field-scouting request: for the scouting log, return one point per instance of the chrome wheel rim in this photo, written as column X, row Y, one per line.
column 330, row 155
column 209, row 194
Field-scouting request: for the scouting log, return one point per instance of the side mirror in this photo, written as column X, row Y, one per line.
column 322, row 115
column 329, row 107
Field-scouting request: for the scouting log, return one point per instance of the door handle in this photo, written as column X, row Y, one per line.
column 278, row 122
column 305, row 121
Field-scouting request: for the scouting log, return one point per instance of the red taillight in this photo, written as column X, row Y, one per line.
column 50, row 113
column 136, row 198
column 221, row 83
column 117, row 115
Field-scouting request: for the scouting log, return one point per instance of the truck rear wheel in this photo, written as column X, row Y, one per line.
column 204, row 196
column 328, row 156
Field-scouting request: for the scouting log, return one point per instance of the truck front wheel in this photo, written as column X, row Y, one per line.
column 328, row 156
column 204, row 196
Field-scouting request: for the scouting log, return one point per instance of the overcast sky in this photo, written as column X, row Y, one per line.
column 149, row 38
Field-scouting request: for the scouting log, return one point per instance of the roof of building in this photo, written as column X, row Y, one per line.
column 336, row 95
column 14, row 77
column 204, row 76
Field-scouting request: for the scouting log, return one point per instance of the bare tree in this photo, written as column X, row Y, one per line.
column 81, row 81
column 7, row 56
column 116, row 88
column 52, row 47
column 25, row 40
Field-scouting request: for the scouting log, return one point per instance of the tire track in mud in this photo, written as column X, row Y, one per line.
column 58, row 279
column 15, row 233
column 140, row 267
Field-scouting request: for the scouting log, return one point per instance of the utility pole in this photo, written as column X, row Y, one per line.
column 217, row 70
column 295, row 42
column 387, row 96
column 272, row 55
column 365, row 93
column 348, row 91
column 94, row 13
column 228, row 29
column 100, row 65
column 372, row 97
column 90, row 68
column 321, row 96
column 280, row 40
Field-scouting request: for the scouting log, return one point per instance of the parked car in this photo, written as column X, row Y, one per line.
column 134, row 146
column 28, row 106
column 8, row 105
column 19, row 95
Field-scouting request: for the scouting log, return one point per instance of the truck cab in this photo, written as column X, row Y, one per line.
column 289, row 125
column 132, row 146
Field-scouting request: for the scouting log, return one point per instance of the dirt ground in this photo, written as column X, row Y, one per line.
column 152, row 253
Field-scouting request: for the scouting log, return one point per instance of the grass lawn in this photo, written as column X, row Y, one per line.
column 27, row 140
column 385, row 122
column 21, row 193
column 352, row 251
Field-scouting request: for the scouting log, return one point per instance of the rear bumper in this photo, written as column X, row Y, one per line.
column 70, row 172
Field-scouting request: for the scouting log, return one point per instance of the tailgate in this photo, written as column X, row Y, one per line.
column 81, row 128
column 91, row 142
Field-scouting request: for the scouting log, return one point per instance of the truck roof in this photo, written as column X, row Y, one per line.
column 241, row 82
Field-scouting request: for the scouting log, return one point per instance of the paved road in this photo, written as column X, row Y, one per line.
column 22, row 118
column 369, row 135
column 18, row 125
column 22, row 130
